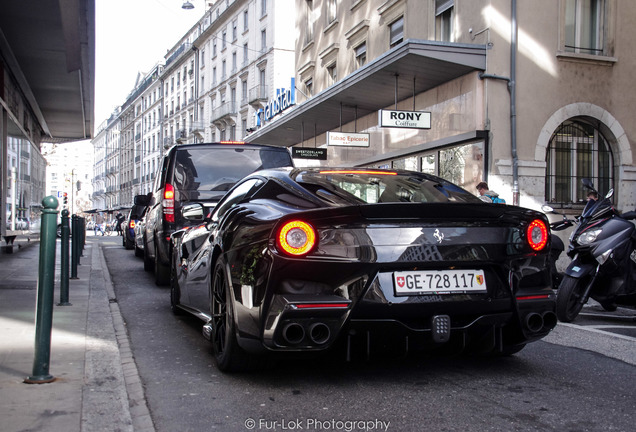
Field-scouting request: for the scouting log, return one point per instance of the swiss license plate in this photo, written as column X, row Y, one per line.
column 439, row 282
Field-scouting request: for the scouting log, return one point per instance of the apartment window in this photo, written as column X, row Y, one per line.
column 577, row 150
column 396, row 32
column 444, row 20
column 224, row 40
column 214, row 76
column 263, row 40
column 243, row 92
column 309, row 87
column 246, row 21
column 234, row 30
column 584, row 26
column 234, row 62
column 309, row 21
column 214, row 48
column 332, row 11
column 263, row 8
column 332, row 72
column 261, row 78
column 223, row 70
column 245, row 54
column 361, row 54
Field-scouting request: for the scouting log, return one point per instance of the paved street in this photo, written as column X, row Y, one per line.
column 580, row 379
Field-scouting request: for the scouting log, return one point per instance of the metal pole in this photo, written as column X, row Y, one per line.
column 46, row 284
column 64, row 252
column 74, row 249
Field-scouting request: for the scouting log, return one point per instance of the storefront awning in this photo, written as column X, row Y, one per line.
column 410, row 68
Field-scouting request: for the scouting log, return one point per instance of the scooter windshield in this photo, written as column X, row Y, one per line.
column 595, row 208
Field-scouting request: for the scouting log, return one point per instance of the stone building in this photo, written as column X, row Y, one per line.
column 529, row 96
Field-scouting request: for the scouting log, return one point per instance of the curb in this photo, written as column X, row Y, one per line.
column 136, row 416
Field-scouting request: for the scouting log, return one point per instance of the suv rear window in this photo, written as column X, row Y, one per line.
column 201, row 174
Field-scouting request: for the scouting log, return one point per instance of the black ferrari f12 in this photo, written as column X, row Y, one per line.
column 302, row 260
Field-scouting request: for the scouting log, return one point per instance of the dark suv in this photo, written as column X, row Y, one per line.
column 196, row 173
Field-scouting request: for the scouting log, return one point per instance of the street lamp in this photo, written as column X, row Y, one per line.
column 187, row 5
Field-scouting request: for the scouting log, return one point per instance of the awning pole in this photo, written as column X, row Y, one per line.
column 414, row 93
column 355, row 121
column 396, row 90
column 340, row 116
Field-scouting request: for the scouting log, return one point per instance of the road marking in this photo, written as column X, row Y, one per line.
column 594, row 330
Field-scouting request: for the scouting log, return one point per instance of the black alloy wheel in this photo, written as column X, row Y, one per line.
column 229, row 356
column 568, row 301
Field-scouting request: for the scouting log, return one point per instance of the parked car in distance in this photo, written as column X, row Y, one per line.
column 139, row 234
column 196, row 173
column 301, row 260
column 129, row 227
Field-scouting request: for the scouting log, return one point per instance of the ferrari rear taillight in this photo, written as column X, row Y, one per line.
column 296, row 238
column 168, row 203
column 537, row 234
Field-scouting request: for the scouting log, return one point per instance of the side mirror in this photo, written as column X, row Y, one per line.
column 588, row 183
column 547, row 209
column 142, row 200
column 193, row 212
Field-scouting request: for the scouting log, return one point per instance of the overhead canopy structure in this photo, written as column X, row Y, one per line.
column 410, row 68
column 48, row 48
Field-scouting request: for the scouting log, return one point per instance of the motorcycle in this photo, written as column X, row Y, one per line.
column 603, row 263
column 556, row 245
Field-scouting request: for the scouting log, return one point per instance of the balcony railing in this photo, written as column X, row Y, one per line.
column 258, row 93
column 225, row 110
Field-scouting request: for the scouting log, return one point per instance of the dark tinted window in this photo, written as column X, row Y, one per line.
column 208, row 173
column 357, row 187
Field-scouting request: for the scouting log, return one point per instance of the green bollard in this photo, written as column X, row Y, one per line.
column 64, row 252
column 74, row 248
column 83, row 234
column 46, row 285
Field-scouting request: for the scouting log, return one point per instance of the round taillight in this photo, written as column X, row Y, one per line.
column 537, row 234
column 296, row 238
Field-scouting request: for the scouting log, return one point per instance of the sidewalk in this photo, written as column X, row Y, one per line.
column 97, row 386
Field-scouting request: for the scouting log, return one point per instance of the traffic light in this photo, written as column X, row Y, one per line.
column 65, row 199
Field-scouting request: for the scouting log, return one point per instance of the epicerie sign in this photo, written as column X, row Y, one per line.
column 284, row 99
column 349, row 139
column 405, row 119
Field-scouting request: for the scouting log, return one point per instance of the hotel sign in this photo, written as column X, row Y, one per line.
column 405, row 119
column 349, row 139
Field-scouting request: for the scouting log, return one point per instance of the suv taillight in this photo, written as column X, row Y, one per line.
column 131, row 225
column 168, row 203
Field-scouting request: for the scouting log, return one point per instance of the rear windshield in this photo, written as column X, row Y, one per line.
column 369, row 188
column 208, row 173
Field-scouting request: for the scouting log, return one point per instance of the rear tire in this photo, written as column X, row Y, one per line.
column 229, row 356
column 162, row 272
column 568, row 298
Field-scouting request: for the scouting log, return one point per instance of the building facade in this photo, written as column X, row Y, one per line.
column 529, row 96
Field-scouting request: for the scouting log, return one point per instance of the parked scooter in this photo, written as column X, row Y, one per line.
column 556, row 245
column 603, row 263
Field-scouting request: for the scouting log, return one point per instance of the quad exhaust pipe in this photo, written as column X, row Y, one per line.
column 294, row 333
column 536, row 322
